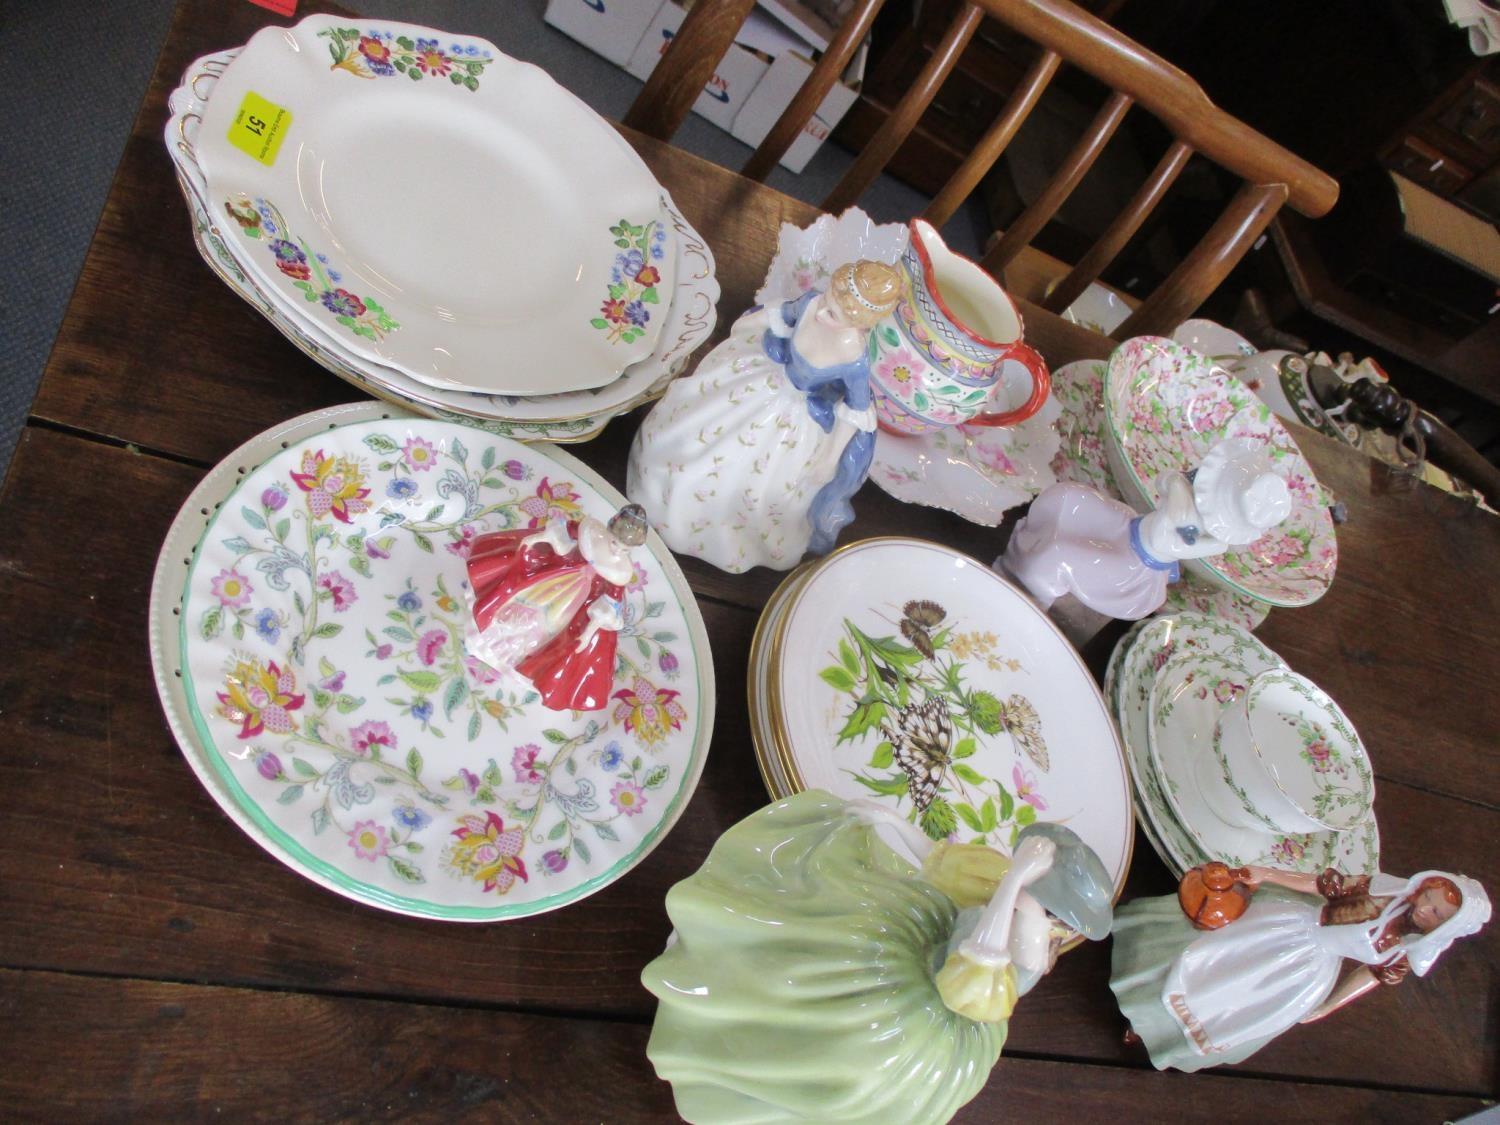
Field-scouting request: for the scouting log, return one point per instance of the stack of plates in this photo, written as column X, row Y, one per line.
column 307, row 634
column 903, row 672
column 441, row 225
column 1167, row 683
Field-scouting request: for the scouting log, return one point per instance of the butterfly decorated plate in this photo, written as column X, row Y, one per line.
column 439, row 206
column 308, row 645
column 1164, row 408
column 908, row 673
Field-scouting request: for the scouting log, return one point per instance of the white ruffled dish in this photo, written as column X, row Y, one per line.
column 565, row 417
column 307, row 642
column 1210, row 338
column 440, row 207
column 977, row 472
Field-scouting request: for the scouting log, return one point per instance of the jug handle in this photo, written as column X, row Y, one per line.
column 1041, row 386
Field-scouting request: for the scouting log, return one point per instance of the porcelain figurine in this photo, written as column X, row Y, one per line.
column 753, row 460
column 939, row 358
column 1075, row 540
column 816, row 975
column 1200, row 998
column 548, row 604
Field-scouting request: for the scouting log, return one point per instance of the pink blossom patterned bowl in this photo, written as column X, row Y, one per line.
column 1165, row 406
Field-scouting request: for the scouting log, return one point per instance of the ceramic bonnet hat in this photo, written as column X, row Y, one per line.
column 1239, row 496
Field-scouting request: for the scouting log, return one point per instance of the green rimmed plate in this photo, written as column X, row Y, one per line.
column 324, row 612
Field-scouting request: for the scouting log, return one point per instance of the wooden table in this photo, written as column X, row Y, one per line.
column 154, row 961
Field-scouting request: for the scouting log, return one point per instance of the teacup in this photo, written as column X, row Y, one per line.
column 1286, row 759
column 951, row 345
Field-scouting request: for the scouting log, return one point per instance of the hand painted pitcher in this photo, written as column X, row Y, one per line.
column 937, row 360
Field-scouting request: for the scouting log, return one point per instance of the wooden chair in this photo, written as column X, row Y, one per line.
column 1271, row 176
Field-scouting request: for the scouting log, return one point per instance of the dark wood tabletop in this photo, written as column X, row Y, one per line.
column 155, row 961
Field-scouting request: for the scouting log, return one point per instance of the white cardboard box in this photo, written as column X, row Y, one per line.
column 737, row 74
column 775, row 92
column 745, row 96
column 611, row 28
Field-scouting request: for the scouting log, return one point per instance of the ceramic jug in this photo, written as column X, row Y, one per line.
column 938, row 359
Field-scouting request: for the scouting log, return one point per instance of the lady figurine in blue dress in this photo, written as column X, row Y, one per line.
column 753, row 460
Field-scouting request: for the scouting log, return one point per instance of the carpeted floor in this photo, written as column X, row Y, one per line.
column 66, row 126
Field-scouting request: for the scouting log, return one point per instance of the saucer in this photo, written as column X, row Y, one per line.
column 1184, row 703
column 1132, row 669
column 977, row 472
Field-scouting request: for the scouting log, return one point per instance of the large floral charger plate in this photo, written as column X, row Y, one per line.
column 1165, row 407
column 309, row 652
column 907, row 673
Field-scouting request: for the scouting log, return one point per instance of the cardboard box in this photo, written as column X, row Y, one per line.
column 775, row 92
column 736, row 76
column 746, row 95
column 611, row 28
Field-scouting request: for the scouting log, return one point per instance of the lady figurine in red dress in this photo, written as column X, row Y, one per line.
column 549, row 604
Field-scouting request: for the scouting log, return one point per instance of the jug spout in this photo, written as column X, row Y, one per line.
column 941, row 357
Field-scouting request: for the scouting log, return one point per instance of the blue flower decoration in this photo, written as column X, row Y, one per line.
column 612, row 756
column 409, row 816
column 422, row 711
column 402, row 488
column 267, row 626
column 636, row 313
column 409, row 602
column 335, row 277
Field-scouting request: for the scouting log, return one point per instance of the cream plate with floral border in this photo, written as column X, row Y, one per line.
column 308, row 654
column 443, row 208
column 570, row 416
column 907, row 673
column 1164, row 408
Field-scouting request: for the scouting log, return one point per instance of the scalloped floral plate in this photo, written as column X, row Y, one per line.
column 569, row 416
column 441, row 207
column 1164, row 408
column 308, row 651
column 907, row 673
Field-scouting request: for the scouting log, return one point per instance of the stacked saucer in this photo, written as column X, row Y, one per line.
column 903, row 672
column 472, row 242
column 1233, row 757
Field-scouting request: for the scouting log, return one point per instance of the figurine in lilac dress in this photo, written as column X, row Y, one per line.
column 1075, row 540
column 753, row 460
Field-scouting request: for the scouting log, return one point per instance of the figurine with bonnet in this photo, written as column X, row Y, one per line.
column 753, row 460
column 1077, row 541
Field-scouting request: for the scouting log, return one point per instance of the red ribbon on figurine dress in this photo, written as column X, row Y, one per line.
column 548, row 604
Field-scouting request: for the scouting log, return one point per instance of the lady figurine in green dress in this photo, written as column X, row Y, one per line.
column 816, row 975
column 1201, row 998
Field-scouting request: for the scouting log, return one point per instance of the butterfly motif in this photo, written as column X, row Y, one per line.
column 1019, row 717
column 918, row 620
column 920, row 746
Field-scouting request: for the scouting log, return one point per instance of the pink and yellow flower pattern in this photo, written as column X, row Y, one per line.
column 260, row 697
column 334, row 485
column 648, row 712
column 487, row 852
